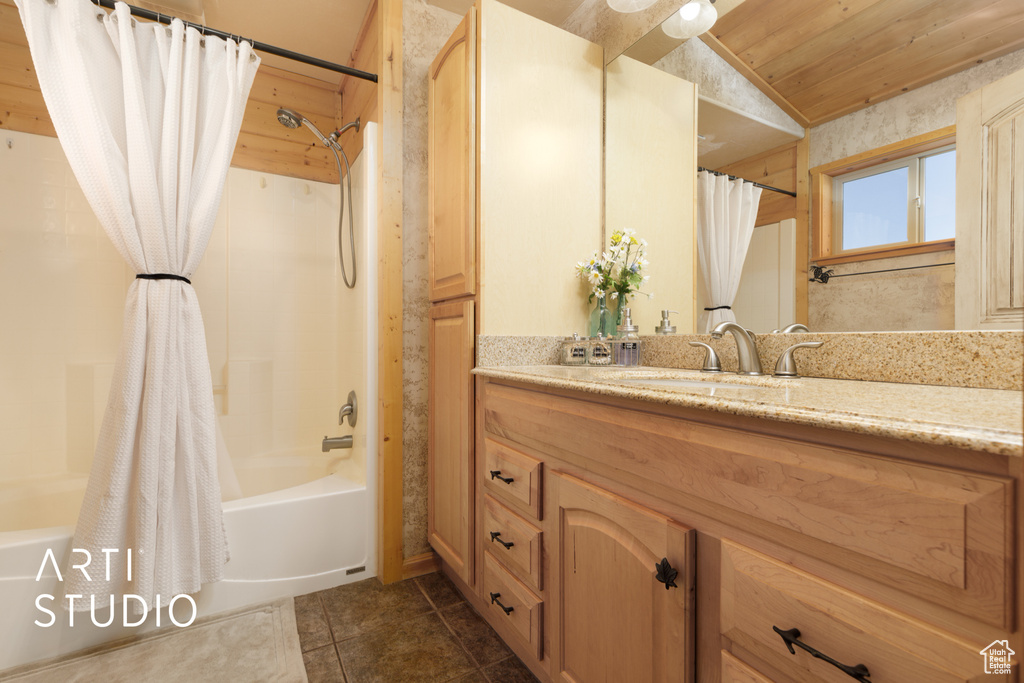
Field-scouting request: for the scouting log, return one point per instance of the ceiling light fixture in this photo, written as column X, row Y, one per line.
column 692, row 19
column 627, row 6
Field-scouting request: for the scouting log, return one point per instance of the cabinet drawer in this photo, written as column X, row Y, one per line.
column 513, row 541
column 510, row 601
column 759, row 593
column 513, row 476
column 736, row 671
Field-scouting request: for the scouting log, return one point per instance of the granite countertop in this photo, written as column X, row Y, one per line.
column 990, row 420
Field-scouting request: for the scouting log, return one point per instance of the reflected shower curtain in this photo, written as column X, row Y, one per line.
column 726, row 212
column 148, row 116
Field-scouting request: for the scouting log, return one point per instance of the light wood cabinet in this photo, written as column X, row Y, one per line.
column 623, row 575
column 450, row 437
column 899, row 557
column 451, row 165
column 514, row 133
column 766, row 605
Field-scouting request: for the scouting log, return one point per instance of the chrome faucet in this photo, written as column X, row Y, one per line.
column 795, row 327
column 337, row 442
column 750, row 363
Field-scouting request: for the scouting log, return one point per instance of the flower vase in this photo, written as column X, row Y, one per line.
column 602, row 320
column 622, row 304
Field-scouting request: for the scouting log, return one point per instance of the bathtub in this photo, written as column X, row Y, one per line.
column 283, row 543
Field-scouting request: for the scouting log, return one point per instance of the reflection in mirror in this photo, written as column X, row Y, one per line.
column 650, row 156
column 803, row 67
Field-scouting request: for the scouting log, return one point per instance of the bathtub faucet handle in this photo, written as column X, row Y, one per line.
column 350, row 409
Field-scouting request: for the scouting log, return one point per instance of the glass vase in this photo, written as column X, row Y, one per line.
column 602, row 320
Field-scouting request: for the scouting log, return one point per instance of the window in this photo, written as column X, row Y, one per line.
column 893, row 201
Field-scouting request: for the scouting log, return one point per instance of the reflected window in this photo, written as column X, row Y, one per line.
column 908, row 201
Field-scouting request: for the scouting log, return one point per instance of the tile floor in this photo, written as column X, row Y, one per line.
column 416, row 630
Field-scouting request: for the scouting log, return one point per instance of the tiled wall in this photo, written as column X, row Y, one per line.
column 280, row 326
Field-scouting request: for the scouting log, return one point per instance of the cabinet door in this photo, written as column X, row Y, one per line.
column 451, row 159
column 614, row 619
column 989, row 214
column 450, row 438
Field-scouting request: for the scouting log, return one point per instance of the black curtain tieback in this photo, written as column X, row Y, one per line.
column 718, row 308
column 162, row 276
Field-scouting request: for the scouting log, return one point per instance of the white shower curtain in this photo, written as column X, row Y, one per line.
column 148, row 116
column 726, row 212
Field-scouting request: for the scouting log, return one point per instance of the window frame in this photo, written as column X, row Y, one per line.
column 825, row 224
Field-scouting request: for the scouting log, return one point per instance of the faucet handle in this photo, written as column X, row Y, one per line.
column 349, row 410
column 786, row 366
column 711, row 362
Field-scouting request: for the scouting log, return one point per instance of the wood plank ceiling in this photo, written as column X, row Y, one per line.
column 826, row 58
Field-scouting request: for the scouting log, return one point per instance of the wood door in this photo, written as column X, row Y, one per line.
column 451, row 164
column 450, row 438
column 615, row 621
column 989, row 212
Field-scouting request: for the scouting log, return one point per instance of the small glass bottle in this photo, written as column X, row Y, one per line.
column 600, row 351
column 573, row 351
column 627, row 349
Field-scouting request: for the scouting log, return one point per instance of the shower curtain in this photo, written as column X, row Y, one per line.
column 726, row 212
column 148, row 116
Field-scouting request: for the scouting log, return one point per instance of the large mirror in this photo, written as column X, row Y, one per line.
column 823, row 96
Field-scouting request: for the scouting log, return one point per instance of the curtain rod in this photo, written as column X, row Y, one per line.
column 256, row 45
column 732, row 177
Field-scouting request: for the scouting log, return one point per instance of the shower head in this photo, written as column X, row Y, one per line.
column 290, row 118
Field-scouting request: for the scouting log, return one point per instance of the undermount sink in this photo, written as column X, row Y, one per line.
column 672, row 382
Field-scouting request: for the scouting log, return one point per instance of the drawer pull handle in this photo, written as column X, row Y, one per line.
column 496, row 474
column 666, row 574
column 495, row 601
column 496, row 536
column 791, row 638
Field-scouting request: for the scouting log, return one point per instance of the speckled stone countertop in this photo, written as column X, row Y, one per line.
column 990, row 420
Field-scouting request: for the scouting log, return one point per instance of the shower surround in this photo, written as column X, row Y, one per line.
column 286, row 342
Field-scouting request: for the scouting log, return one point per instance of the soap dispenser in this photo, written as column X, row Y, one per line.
column 666, row 326
column 627, row 349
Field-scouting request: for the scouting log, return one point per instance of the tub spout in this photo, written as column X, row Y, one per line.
column 337, row 442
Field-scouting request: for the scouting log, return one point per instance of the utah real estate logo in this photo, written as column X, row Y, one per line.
column 997, row 657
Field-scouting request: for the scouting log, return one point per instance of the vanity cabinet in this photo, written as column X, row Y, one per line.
column 780, row 539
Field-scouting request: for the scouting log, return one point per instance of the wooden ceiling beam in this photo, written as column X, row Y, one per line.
column 752, row 76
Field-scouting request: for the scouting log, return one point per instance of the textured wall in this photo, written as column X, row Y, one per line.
column 616, row 31
column 919, row 111
column 904, row 300
column 696, row 62
column 425, row 30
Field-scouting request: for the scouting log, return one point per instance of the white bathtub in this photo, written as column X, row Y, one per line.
column 287, row 542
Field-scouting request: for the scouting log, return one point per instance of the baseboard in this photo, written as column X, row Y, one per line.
column 418, row 565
